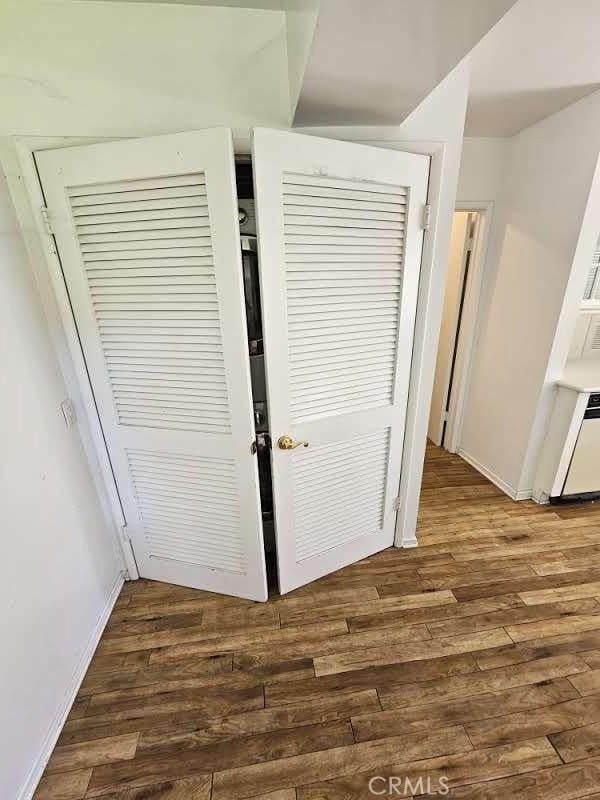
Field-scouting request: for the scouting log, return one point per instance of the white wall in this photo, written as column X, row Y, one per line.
column 59, row 566
column 130, row 69
column 481, row 169
column 535, row 236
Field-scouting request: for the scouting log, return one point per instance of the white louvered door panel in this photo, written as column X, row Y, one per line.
column 148, row 240
column 340, row 245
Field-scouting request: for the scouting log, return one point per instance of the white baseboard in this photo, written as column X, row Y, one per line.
column 410, row 543
column 62, row 713
column 514, row 494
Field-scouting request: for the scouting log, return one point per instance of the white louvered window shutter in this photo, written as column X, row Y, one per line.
column 340, row 243
column 148, row 239
column 591, row 348
column 592, row 286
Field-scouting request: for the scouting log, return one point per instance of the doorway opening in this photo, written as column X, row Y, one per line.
column 458, row 329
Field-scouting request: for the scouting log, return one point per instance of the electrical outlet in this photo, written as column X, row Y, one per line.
column 68, row 410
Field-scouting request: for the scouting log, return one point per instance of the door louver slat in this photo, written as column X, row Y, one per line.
column 151, row 284
column 155, row 287
column 172, row 493
column 325, row 481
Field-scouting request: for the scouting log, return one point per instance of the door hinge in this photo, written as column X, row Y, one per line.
column 396, row 503
column 47, row 221
column 426, row 217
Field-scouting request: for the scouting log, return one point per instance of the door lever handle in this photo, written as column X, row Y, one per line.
column 286, row 442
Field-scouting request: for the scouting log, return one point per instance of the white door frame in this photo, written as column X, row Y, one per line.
column 469, row 329
column 17, row 157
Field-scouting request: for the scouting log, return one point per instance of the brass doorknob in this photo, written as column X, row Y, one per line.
column 286, row 442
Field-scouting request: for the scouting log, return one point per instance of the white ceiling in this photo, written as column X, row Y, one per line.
column 106, row 67
column 133, row 69
column 372, row 61
column 542, row 56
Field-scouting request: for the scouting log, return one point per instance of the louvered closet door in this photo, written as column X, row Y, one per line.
column 340, row 245
column 148, row 239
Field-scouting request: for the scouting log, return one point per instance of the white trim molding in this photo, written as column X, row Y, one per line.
column 514, row 494
column 470, row 323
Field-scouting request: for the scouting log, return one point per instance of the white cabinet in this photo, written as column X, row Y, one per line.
column 583, row 476
column 570, row 460
column 148, row 237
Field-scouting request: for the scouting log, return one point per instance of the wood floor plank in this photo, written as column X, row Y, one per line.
column 156, row 673
column 411, row 651
column 320, row 710
column 375, row 606
column 591, row 658
column 90, row 754
column 462, row 579
column 111, row 663
column 358, row 758
column 512, row 616
column 578, row 743
column 587, row 683
column 195, row 605
column 455, row 770
column 563, row 782
column 378, row 724
column 572, row 592
column 151, row 624
column 553, row 627
column 397, row 675
column 470, row 684
column 185, row 789
column 365, row 640
column 538, row 648
column 179, row 695
column 325, row 598
column 167, row 763
column 565, row 562
column 527, row 584
column 204, row 645
column 535, row 722
column 279, row 794
column 63, row 785
column 454, row 610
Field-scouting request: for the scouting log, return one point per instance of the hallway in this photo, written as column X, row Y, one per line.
column 474, row 659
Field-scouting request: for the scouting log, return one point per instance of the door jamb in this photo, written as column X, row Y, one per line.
column 17, row 157
column 470, row 324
